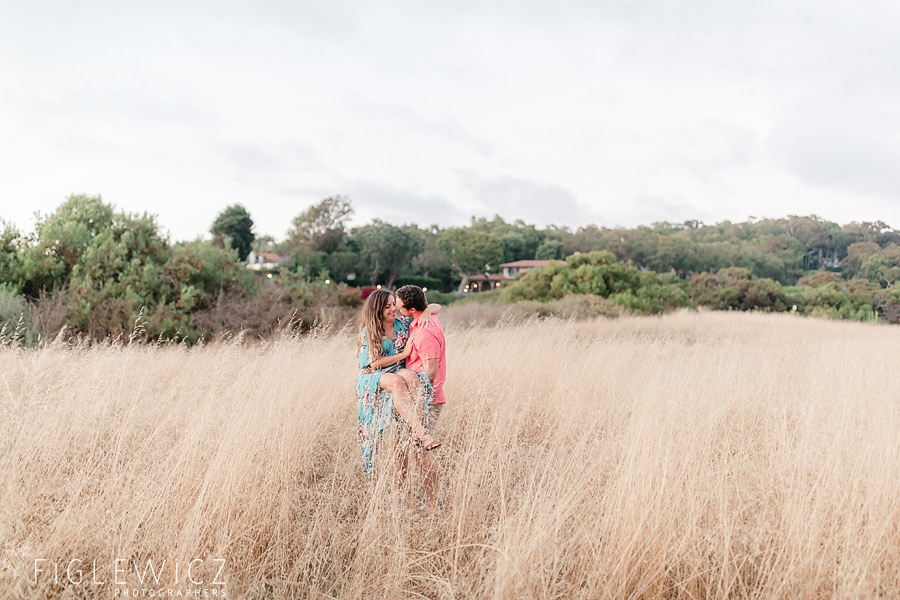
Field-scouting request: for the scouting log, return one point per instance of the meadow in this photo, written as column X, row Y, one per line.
column 695, row 455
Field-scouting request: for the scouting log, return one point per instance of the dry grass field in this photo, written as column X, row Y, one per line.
column 709, row 455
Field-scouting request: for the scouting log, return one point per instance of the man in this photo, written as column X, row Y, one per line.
column 428, row 354
column 429, row 347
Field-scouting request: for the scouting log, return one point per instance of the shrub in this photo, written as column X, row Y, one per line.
column 17, row 324
column 423, row 282
column 857, row 299
column 734, row 288
column 817, row 279
column 286, row 302
column 600, row 274
column 442, row 298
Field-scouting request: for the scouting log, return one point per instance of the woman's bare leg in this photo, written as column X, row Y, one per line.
column 427, row 466
column 414, row 384
column 415, row 390
column 428, row 469
column 401, row 462
column 403, row 402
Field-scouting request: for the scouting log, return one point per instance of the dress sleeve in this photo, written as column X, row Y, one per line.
column 364, row 351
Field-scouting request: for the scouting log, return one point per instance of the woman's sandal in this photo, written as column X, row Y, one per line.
column 427, row 442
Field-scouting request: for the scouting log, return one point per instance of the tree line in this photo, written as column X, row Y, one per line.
column 107, row 273
column 783, row 250
column 599, row 273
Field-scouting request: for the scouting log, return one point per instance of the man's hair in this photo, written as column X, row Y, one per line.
column 413, row 297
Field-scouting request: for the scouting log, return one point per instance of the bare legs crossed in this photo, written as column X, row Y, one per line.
column 406, row 392
column 407, row 395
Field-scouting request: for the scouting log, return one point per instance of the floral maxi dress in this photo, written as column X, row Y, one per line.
column 375, row 406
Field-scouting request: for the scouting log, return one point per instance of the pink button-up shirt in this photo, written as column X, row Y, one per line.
column 428, row 342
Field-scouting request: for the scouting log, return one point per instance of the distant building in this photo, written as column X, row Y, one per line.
column 832, row 262
column 514, row 269
column 511, row 270
column 480, row 283
column 264, row 261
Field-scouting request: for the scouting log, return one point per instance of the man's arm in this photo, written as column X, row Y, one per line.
column 431, row 367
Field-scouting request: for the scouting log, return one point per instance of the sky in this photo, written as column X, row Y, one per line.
column 616, row 113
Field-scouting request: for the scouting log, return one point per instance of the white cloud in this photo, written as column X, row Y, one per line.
column 377, row 200
column 532, row 201
column 613, row 112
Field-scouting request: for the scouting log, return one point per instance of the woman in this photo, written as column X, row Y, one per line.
column 384, row 388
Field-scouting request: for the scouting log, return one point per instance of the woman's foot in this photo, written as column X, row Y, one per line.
column 427, row 442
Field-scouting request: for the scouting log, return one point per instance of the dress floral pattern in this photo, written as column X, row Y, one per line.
column 375, row 406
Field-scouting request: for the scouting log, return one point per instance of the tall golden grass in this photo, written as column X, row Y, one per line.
column 708, row 455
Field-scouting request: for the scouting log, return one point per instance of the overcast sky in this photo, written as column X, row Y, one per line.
column 567, row 112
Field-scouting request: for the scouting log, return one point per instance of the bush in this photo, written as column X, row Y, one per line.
column 600, row 274
column 17, row 326
column 467, row 314
column 584, row 306
column 817, row 279
column 857, row 300
column 734, row 288
column 442, row 298
column 657, row 294
column 286, row 302
column 423, row 282
column 12, row 271
column 495, row 297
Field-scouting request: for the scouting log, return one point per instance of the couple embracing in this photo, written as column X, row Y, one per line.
column 402, row 368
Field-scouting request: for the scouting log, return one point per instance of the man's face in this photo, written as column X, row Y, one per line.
column 403, row 310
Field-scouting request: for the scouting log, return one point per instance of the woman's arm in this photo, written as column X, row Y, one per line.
column 430, row 310
column 386, row 361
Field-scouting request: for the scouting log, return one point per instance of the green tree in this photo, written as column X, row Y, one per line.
column 471, row 251
column 882, row 267
column 61, row 238
column 321, row 227
column 549, row 250
column 12, row 247
column 735, row 288
column 115, row 267
column 266, row 243
column 878, row 232
column 117, row 275
column 518, row 240
column 513, row 245
column 857, row 254
column 130, row 270
column 235, row 227
column 388, row 249
column 432, row 262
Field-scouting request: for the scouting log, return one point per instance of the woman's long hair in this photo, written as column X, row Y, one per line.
column 372, row 319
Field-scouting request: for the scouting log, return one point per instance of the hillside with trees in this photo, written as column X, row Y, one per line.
column 106, row 274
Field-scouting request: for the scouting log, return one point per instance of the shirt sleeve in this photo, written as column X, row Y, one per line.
column 428, row 344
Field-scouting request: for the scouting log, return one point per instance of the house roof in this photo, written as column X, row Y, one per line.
column 529, row 263
column 491, row 277
column 269, row 256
